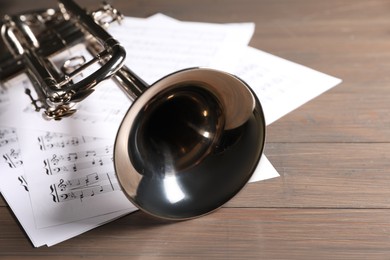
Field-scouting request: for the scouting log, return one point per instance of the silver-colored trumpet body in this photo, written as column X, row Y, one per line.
column 187, row 144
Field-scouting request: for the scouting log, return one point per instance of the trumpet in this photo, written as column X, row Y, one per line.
column 187, row 144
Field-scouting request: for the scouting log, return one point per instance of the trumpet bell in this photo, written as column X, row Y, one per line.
column 189, row 143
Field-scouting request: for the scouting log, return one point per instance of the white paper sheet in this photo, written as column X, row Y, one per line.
column 70, row 182
column 281, row 85
column 15, row 190
column 162, row 46
column 18, row 199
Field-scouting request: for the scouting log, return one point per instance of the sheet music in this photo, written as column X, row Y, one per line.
column 281, row 85
column 72, row 181
column 160, row 45
column 15, row 190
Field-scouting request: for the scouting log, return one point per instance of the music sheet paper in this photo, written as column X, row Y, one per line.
column 63, row 170
column 281, row 85
column 15, row 190
column 155, row 51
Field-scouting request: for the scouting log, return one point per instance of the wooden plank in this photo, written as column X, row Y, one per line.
column 354, row 111
column 322, row 175
column 228, row 233
column 336, row 118
column 346, row 47
column 2, row 201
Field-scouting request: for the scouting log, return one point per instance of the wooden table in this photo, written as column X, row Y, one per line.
column 332, row 200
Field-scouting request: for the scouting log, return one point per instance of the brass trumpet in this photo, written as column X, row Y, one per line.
column 188, row 143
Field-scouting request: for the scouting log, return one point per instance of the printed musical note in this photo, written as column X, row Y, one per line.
column 90, row 153
column 7, row 136
column 99, row 161
column 72, row 157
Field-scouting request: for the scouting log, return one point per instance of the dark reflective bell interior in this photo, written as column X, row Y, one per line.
column 176, row 130
column 189, row 143
column 190, row 164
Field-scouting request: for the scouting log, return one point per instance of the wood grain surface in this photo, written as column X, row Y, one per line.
column 332, row 200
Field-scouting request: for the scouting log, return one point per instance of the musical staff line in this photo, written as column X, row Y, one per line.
column 82, row 188
column 76, row 161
